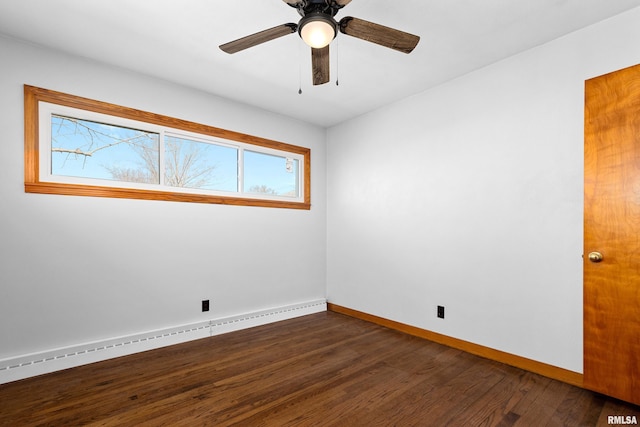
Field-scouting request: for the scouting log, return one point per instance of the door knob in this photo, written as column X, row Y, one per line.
column 595, row 257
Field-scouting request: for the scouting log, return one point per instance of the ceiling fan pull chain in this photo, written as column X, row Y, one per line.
column 337, row 63
column 299, row 68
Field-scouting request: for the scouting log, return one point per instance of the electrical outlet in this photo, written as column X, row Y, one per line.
column 205, row 305
column 441, row 312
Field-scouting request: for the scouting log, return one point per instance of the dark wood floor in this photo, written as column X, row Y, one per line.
column 325, row 369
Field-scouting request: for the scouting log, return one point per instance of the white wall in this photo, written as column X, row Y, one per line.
column 78, row 269
column 470, row 196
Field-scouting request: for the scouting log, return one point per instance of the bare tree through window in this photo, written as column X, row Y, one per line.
column 96, row 150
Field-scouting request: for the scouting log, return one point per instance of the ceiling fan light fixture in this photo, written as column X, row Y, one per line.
column 317, row 30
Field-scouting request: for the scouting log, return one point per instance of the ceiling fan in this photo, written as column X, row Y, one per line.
column 318, row 28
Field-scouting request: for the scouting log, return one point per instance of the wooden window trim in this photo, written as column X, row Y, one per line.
column 32, row 184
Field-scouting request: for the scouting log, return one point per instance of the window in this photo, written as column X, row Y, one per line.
column 77, row 146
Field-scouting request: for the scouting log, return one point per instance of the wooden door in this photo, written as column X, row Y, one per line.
column 612, row 228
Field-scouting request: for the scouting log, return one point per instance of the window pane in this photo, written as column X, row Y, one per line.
column 269, row 174
column 193, row 164
column 87, row 149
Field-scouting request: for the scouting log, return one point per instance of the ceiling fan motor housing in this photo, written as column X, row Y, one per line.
column 327, row 7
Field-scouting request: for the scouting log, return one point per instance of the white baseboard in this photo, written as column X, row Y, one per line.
column 30, row 365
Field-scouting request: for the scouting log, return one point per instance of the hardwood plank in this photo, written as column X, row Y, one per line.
column 324, row 369
column 494, row 407
column 554, row 372
column 543, row 408
column 576, row 410
column 385, row 378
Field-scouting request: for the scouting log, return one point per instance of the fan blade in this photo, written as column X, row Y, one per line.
column 342, row 3
column 379, row 34
column 320, row 65
column 258, row 38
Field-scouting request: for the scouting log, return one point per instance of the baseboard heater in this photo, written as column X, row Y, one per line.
column 29, row 365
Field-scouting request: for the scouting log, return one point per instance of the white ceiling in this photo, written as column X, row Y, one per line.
column 178, row 40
